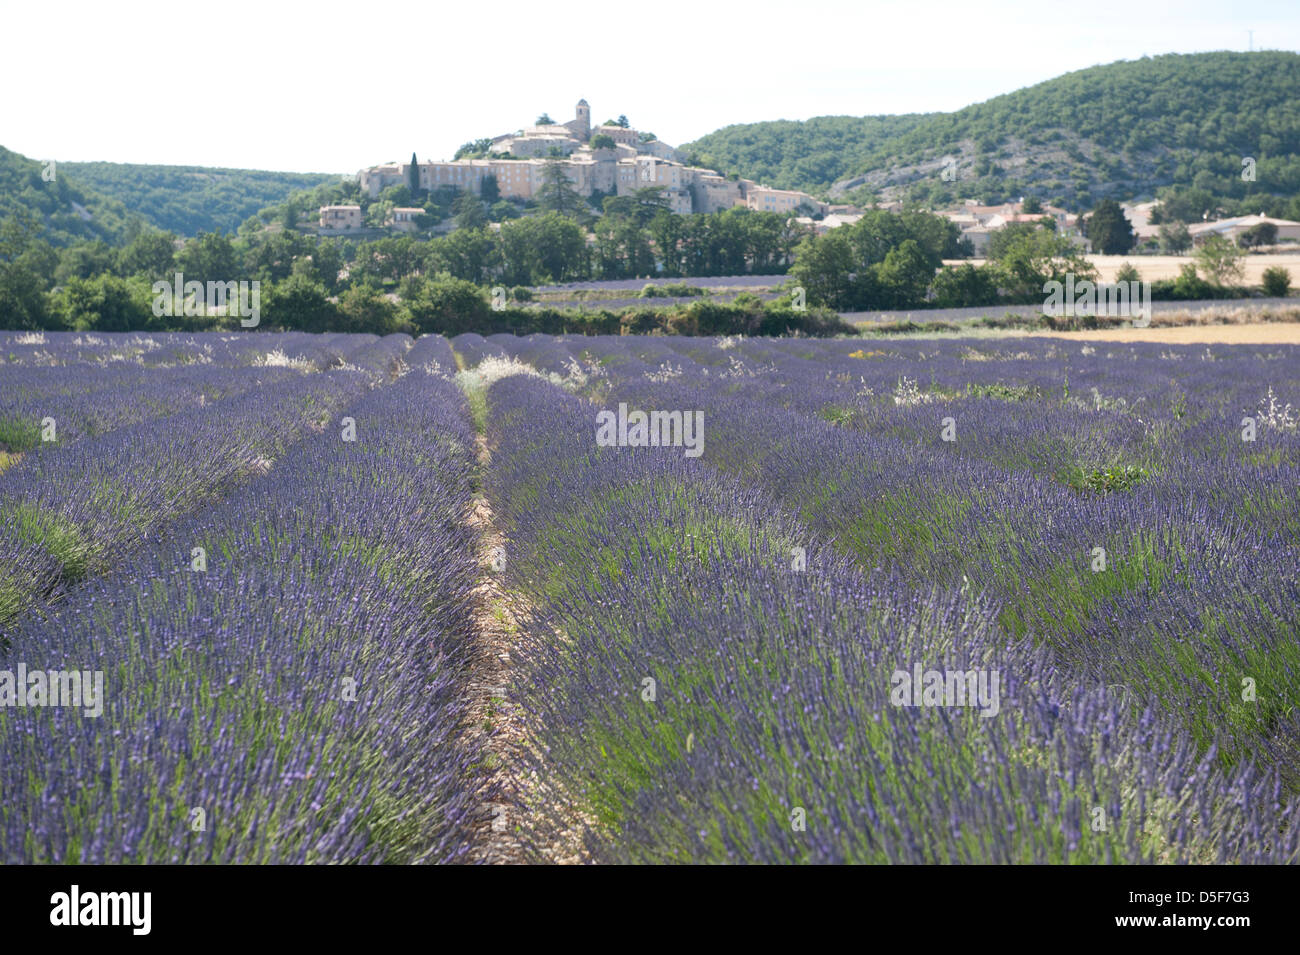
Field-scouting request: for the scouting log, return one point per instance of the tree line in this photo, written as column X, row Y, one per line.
column 887, row 261
column 390, row 284
column 884, row 261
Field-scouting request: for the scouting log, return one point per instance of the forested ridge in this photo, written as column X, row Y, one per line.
column 1119, row 130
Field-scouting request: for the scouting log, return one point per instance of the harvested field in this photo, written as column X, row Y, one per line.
column 1271, row 333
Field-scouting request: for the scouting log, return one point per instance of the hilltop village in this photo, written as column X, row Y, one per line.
column 610, row 159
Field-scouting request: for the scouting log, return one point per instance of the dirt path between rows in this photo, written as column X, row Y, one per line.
column 523, row 818
column 493, row 718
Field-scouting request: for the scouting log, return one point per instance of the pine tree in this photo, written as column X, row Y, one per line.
column 1108, row 229
column 469, row 211
column 558, row 195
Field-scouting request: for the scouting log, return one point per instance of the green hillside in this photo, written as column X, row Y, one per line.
column 188, row 200
column 68, row 209
column 808, row 155
column 1121, row 130
column 99, row 200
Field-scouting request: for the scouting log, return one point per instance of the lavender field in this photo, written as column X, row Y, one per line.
column 348, row 599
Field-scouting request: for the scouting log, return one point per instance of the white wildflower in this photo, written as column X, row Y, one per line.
column 908, row 392
column 1278, row 416
column 276, row 358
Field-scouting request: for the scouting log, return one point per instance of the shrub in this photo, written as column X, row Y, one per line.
column 1261, row 235
column 367, row 310
column 1188, row 285
column 1127, row 273
column 300, row 304
column 448, row 306
column 1220, row 260
column 106, row 303
column 1277, row 282
column 715, row 318
column 1105, row 480
column 19, row 434
column 964, row 286
column 673, row 290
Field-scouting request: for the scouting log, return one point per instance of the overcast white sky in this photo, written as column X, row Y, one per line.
column 332, row 87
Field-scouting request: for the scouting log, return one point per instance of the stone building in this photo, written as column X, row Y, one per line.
column 340, row 218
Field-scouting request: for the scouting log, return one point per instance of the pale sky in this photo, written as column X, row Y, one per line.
column 333, row 87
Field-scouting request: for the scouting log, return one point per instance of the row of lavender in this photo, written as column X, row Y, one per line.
column 769, row 701
column 614, row 302
column 86, row 350
column 106, row 382
column 72, row 505
column 281, row 647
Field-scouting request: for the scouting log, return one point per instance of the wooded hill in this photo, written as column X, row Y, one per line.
column 1122, row 130
column 99, row 200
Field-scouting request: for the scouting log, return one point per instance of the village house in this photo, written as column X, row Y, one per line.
column 340, row 218
column 764, row 199
column 404, row 218
column 833, row 220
